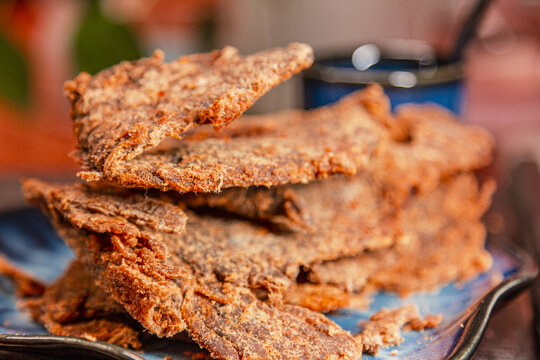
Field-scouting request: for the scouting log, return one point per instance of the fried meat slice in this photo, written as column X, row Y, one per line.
column 73, row 306
column 445, row 242
column 293, row 146
column 126, row 109
column 432, row 145
column 129, row 246
column 149, row 271
column 198, row 280
column 233, row 324
column 296, row 146
column 221, row 319
column 344, row 202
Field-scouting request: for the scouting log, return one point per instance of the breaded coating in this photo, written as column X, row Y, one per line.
column 128, row 108
column 237, row 251
column 74, row 306
column 436, row 146
column 352, row 204
column 116, row 210
column 445, row 242
column 417, row 148
column 293, row 146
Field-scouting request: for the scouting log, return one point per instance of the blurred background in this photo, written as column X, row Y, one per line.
column 481, row 59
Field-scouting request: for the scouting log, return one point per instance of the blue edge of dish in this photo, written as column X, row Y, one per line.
column 27, row 238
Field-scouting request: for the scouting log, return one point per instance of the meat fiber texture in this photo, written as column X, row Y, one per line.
column 414, row 151
column 73, row 306
column 230, row 275
column 464, row 186
column 127, row 109
column 444, row 242
column 431, row 144
column 216, row 269
column 293, row 146
column 298, row 146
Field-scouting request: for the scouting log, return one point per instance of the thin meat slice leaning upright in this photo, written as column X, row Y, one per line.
column 127, row 109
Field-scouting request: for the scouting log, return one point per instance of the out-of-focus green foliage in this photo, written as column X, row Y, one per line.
column 14, row 82
column 100, row 42
column 207, row 33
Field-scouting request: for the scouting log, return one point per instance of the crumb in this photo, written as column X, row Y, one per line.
column 197, row 355
column 384, row 328
column 429, row 322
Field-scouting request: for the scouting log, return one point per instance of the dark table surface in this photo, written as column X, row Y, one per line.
column 514, row 330
column 510, row 332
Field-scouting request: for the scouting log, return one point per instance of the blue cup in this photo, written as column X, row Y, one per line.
column 408, row 70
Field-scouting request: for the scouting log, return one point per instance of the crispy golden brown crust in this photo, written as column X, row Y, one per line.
column 342, row 205
column 297, row 146
column 459, row 197
column 124, row 253
column 432, row 145
column 115, row 210
column 235, row 251
column 293, row 146
column 74, row 306
column 240, row 251
column 280, row 206
column 445, row 243
column 126, row 109
column 236, row 325
column 151, row 274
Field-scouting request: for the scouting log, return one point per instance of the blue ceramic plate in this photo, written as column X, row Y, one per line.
column 27, row 238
